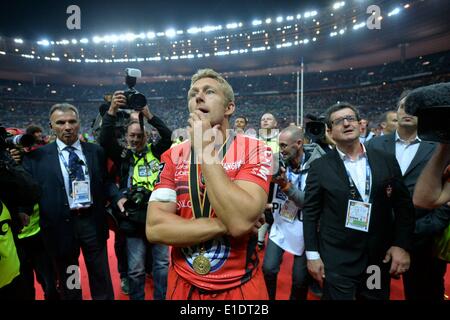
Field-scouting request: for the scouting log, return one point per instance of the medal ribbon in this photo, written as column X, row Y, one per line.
column 202, row 207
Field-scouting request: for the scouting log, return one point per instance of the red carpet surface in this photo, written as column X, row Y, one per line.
column 283, row 289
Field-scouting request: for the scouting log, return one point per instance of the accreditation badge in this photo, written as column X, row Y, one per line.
column 143, row 171
column 81, row 192
column 289, row 211
column 358, row 215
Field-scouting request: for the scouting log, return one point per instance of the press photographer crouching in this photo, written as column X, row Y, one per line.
column 138, row 167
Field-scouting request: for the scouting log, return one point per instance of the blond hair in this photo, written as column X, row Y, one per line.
column 210, row 73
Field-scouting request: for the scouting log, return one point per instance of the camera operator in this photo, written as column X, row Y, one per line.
column 16, row 189
column 315, row 132
column 33, row 256
column 286, row 233
column 138, row 169
column 432, row 106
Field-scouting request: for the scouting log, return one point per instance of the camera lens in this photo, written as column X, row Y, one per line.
column 137, row 101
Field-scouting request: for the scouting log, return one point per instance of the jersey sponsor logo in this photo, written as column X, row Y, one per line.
column 217, row 251
column 232, row 165
column 184, row 204
column 262, row 171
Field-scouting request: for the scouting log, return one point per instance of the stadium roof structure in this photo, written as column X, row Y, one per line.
column 330, row 35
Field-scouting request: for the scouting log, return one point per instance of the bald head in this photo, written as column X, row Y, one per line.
column 293, row 133
column 291, row 144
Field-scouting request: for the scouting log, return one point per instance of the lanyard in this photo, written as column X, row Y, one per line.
column 67, row 166
column 203, row 208
column 290, row 174
column 367, row 184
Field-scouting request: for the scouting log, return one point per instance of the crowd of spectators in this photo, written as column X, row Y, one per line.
column 374, row 90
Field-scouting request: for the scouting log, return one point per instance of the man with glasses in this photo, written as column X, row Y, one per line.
column 365, row 212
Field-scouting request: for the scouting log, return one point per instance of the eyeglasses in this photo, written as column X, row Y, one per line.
column 340, row 121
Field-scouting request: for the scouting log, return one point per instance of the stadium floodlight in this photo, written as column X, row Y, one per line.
column 268, row 21
column 151, row 35
column 342, row 31
column 194, row 30
column 394, row 12
column 170, row 33
column 279, row 19
column 180, row 31
column 299, row 16
column 44, row 43
column 307, row 14
column 74, row 41
column 96, row 39
column 305, row 41
column 130, row 36
column 84, row 40
column 232, row 25
column 18, row 40
column 256, row 22
column 64, row 41
column 333, row 34
column 338, row 5
column 314, row 39
column 211, row 28
column 289, row 18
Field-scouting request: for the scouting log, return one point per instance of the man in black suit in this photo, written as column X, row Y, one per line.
column 358, row 215
column 73, row 178
column 425, row 277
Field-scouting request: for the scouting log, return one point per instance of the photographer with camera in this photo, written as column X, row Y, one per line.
column 431, row 104
column 138, row 167
column 33, row 256
column 286, row 233
column 425, row 278
column 16, row 189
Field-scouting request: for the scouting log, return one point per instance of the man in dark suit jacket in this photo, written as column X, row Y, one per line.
column 72, row 218
column 348, row 244
column 425, row 277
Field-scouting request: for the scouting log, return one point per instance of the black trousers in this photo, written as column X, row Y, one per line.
column 340, row 287
column 271, row 267
column 96, row 259
column 425, row 277
column 34, row 258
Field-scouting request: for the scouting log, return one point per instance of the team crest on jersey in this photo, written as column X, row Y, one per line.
column 217, row 251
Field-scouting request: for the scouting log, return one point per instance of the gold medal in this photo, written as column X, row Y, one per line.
column 201, row 264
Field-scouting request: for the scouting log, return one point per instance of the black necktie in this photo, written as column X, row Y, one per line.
column 75, row 167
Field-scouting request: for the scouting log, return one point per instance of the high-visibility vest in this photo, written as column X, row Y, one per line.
column 33, row 227
column 145, row 170
column 9, row 261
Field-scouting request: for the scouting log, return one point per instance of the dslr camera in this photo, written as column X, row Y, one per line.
column 431, row 105
column 7, row 140
column 135, row 99
column 136, row 204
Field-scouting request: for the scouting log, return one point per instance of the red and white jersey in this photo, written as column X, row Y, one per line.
column 233, row 261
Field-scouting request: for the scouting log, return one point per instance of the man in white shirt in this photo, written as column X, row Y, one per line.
column 349, row 229
column 425, row 278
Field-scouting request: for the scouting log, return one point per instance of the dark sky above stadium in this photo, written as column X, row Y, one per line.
column 47, row 18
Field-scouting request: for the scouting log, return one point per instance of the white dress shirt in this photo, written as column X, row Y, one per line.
column 63, row 156
column 357, row 170
column 405, row 151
